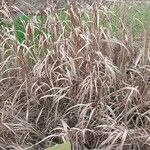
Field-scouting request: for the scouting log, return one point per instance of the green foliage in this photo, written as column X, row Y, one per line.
column 19, row 24
column 133, row 17
column 63, row 17
column 64, row 146
column 4, row 24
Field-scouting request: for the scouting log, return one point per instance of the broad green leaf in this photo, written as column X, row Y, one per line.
column 64, row 146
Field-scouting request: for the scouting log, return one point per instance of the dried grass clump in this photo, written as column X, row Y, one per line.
column 71, row 80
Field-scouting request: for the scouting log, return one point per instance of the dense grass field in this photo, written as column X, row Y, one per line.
column 78, row 76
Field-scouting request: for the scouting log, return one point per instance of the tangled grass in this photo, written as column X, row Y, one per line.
column 71, row 78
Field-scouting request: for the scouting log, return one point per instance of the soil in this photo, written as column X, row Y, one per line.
column 31, row 6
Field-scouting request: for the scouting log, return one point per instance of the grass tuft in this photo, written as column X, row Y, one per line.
column 80, row 75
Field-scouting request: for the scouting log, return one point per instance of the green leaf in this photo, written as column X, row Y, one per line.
column 64, row 146
column 19, row 27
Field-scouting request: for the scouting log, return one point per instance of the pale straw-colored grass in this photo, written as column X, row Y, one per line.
column 74, row 82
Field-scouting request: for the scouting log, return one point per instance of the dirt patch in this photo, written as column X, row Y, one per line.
column 30, row 6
